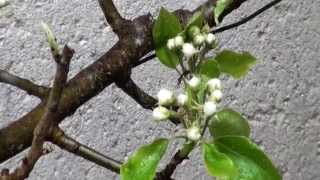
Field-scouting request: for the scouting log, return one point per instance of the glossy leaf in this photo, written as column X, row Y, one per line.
column 210, row 69
column 143, row 163
column 235, row 64
column 219, row 8
column 166, row 26
column 229, row 122
column 217, row 163
column 251, row 162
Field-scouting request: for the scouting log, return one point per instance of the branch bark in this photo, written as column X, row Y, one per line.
column 24, row 84
column 67, row 143
column 114, row 64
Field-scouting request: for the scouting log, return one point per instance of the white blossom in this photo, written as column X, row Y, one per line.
column 165, row 97
column 178, row 40
column 194, row 82
column 188, row 50
column 211, row 38
column 199, row 39
column 214, row 84
column 160, row 113
column 171, row 44
column 216, row 95
column 3, row 3
column 193, row 133
column 209, row 108
column 182, row 99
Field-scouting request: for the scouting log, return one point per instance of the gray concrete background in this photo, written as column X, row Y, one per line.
column 280, row 96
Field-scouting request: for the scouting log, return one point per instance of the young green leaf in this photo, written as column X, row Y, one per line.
column 235, row 64
column 166, row 26
column 229, row 122
column 217, row 163
column 210, row 69
column 251, row 162
column 143, row 163
column 219, row 8
column 196, row 21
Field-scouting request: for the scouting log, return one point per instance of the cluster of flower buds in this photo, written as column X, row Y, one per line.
column 199, row 39
column 167, row 98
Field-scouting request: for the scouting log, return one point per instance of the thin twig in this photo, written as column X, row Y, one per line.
column 67, row 143
column 245, row 19
column 24, row 84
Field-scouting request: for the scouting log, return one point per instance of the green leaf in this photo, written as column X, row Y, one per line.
column 229, row 122
column 251, row 162
column 201, row 94
column 210, row 69
column 167, row 57
column 143, row 163
column 219, row 8
column 235, row 64
column 217, row 163
column 197, row 20
column 166, row 26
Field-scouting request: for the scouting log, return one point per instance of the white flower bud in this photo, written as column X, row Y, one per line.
column 211, row 38
column 160, row 113
column 188, row 50
column 214, row 84
column 165, row 97
column 182, row 99
column 171, row 44
column 199, row 39
column 194, row 82
column 3, row 3
column 178, row 41
column 193, row 133
column 209, row 108
column 216, row 95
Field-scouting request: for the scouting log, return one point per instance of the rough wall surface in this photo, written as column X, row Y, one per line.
column 280, row 96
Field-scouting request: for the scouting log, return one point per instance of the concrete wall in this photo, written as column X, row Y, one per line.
column 280, row 96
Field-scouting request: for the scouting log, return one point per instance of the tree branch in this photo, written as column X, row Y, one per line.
column 178, row 158
column 46, row 122
column 90, row 81
column 24, row 84
column 142, row 98
column 113, row 17
column 67, row 143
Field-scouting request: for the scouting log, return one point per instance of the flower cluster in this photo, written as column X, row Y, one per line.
column 198, row 40
column 186, row 102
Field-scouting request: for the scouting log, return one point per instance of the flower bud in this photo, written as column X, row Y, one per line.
column 193, row 31
column 171, row 44
column 211, row 38
column 165, row 97
column 182, row 99
column 209, row 108
column 160, row 113
column 178, row 41
column 216, row 95
column 199, row 39
column 194, row 82
column 214, row 84
column 193, row 133
column 188, row 50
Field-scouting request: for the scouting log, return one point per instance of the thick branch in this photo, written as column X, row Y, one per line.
column 24, row 84
column 89, row 82
column 142, row 98
column 74, row 147
column 113, row 17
